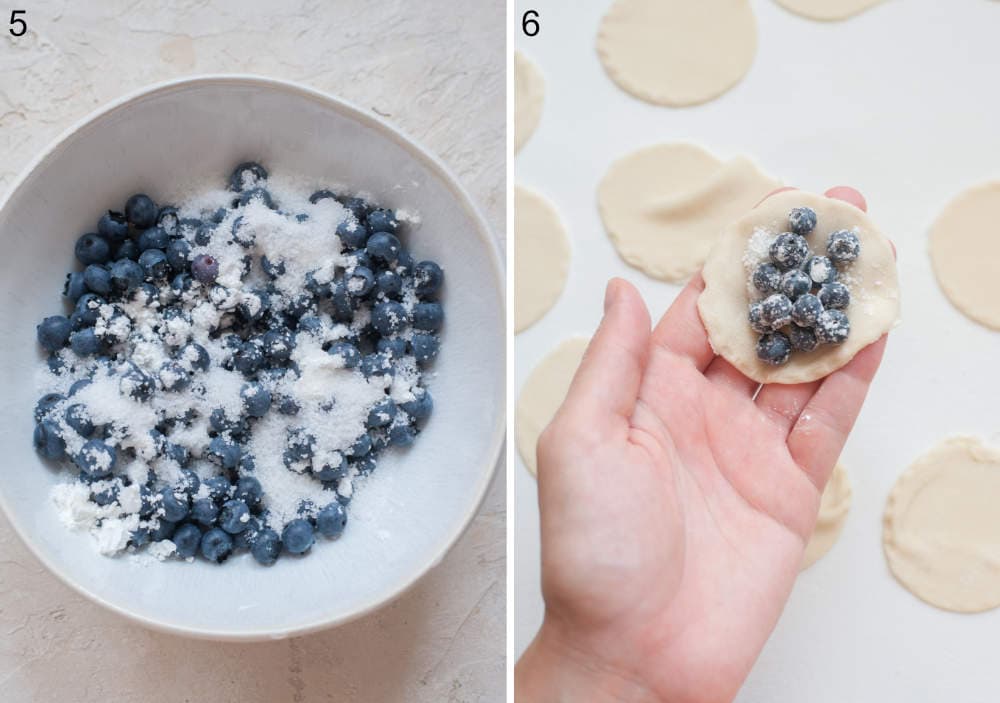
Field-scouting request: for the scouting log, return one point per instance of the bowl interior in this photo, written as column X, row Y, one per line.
column 417, row 502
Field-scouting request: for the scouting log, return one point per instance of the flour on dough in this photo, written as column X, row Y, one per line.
column 677, row 52
column 833, row 509
column 828, row 10
column 965, row 253
column 872, row 280
column 529, row 98
column 940, row 530
column 664, row 206
column 541, row 257
column 542, row 395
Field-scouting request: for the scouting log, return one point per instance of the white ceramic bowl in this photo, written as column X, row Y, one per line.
column 418, row 502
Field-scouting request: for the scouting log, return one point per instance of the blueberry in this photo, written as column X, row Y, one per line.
column 152, row 238
column 271, row 268
column 168, row 220
column 802, row 339
column 178, row 253
column 375, row 365
column 774, row 348
column 425, row 347
column 428, row 278
column 126, row 275
column 382, row 220
column 322, row 195
column 288, row 406
column 767, row 278
column 216, row 545
column 97, row 279
column 843, row 246
column 343, row 304
column 357, row 206
column 820, row 270
column 224, row 452
column 203, row 235
column 404, row 263
column 186, row 539
column 802, row 220
column 106, row 494
column 136, row 384
column 195, row 356
column 154, row 264
column 333, row 469
column 126, row 250
column 401, row 435
column 113, row 226
column 298, row 536
column 46, row 403
column 382, row 414
column 310, row 324
column 244, row 236
column 175, row 505
column 85, row 342
column 421, row 406
column 140, row 211
column 389, row 284
column 218, row 488
column 244, row 538
column 302, row 304
column 78, row 417
column 53, row 332
column 362, row 446
column 352, row 233
column 47, row 441
column 164, row 530
column 383, row 246
column 392, row 347
column 835, row 296
column 234, row 516
column 75, row 286
column 249, row 490
column 806, row 310
column 278, row 345
column 204, row 268
column 789, row 251
column 360, row 282
column 96, row 459
column 428, row 317
column 173, row 376
column 266, row 546
column 832, row 327
column 346, row 352
column 256, row 399
column 87, row 309
column 258, row 194
column 776, row 310
column 247, row 175
column 331, row 520
column 254, row 304
column 92, row 249
column 248, row 358
column 247, row 463
column 795, row 283
column 389, row 318
column 178, row 453
column 756, row 318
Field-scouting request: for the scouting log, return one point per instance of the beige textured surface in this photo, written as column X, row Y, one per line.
column 677, row 52
column 541, row 257
column 529, row 99
column 723, row 305
column 828, row 10
column 664, row 206
column 965, row 253
column 940, row 531
column 833, row 509
column 442, row 641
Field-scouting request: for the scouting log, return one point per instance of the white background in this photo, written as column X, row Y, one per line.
column 903, row 103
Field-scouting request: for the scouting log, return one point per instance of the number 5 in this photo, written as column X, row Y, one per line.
column 18, row 22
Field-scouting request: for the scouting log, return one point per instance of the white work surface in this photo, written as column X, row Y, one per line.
column 900, row 102
column 435, row 70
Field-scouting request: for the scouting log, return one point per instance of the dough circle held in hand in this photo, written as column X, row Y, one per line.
column 940, row 530
column 543, row 393
column 833, row 509
column 965, row 253
column 677, row 52
column 827, row 10
column 664, row 206
column 541, row 257
column 725, row 301
column 529, row 98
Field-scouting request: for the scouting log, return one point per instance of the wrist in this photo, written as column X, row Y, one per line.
column 554, row 669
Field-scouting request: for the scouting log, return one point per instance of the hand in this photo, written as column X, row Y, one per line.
column 675, row 508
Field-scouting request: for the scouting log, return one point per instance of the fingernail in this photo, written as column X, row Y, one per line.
column 610, row 294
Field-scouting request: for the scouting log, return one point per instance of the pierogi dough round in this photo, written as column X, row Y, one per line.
column 677, row 52
column 940, row 531
column 664, row 206
column 965, row 253
column 872, row 280
column 833, row 509
column 541, row 257
column 828, row 10
column 543, row 393
column 529, row 98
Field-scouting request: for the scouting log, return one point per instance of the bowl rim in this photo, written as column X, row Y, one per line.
column 483, row 231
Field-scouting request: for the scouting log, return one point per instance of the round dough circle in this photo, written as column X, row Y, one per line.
column 542, row 395
column 677, row 52
column 874, row 307
column 965, row 250
column 541, row 257
column 833, row 509
column 827, row 10
column 529, row 98
column 664, row 206
column 940, row 531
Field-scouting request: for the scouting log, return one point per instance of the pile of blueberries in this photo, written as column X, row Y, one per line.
column 144, row 254
column 803, row 301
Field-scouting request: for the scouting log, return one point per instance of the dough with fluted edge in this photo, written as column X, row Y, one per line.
column 541, row 257
column 833, row 509
column 529, row 98
column 828, row 10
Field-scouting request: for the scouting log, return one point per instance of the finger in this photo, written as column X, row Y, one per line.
column 681, row 331
column 721, row 372
column 848, row 195
column 605, row 387
column 819, row 435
